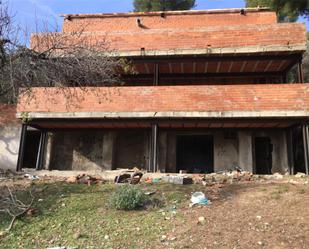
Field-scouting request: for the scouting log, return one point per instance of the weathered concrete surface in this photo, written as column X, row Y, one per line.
column 106, row 150
column 77, row 150
column 132, row 149
column 245, row 159
column 9, row 145
column 225, row 152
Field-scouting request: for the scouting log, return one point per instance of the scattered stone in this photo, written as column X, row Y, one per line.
column 77, row 235
column 260, row 243
column 201, row 220
column 106, row 237
column 181, row 180
column 300, row 175
column 259, row 217
column 71, row 179
column 163, row 238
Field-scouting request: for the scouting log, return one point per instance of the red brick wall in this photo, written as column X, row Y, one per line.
column 209, row 37
column 193, row 20
column 170, row 98
column 8, row 114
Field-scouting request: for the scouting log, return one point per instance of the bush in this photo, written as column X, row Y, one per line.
column 127, row 197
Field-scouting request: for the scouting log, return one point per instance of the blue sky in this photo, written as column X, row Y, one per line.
column 27, row 11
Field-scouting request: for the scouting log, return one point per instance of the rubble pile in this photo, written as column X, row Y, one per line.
column 85, row 179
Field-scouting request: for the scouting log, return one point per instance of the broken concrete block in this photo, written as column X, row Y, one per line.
column 182, row 180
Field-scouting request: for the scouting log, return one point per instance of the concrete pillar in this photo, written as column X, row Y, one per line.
column 162, row 158
column 108, row 150
column 245, row 159
column 48, row 151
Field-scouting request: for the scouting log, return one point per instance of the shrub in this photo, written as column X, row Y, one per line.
column 127, row 197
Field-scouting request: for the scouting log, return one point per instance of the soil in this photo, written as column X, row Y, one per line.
column 248, row 215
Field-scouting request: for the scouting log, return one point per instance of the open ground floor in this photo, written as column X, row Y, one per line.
column 167, row 149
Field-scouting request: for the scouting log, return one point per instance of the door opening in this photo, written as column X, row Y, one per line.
column 31, row 148
column 195, row 154
column 263, row 155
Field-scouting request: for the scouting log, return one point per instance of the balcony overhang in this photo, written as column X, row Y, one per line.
column 266, row 105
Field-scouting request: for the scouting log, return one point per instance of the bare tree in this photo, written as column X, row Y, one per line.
column 53, row 59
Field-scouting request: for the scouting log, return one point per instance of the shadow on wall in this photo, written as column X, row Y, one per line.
column 9, row 144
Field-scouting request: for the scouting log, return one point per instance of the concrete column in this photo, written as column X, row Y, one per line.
column 245, row 159
column 48, row 151
column 280, row 152
column 162, row 159
column 108, row 150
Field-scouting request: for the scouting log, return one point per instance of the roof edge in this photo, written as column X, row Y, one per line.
column 158, row 13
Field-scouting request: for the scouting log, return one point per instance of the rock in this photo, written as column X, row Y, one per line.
column 259, row 217
column 201, row 220
column 71, row 179
column 77, row 235
column 300, row 175
column 260, row 243
column 277, row 176
column 163, row 238
column 106, row 237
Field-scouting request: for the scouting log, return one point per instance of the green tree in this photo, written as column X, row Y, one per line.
column 162, row 5
column 287, row 10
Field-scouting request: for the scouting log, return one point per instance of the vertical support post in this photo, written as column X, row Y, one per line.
column 156, row 75
column 21, row 151
column 300, row 72
column 306, row 149
column 154, row 148
column 290, row 150
column 307, row 138
column 41, row 150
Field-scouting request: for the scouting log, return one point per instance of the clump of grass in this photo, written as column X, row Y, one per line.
column 301, row 191
column 127, row 197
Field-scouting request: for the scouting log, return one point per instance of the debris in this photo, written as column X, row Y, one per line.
column 31, row 177
column 150, row 192
column 163, row 238
column 201, row 220
column 300, row 175
column 84, row 179
column 199, row 198
column 132, row 178
column 277, row 176
column 182, row 180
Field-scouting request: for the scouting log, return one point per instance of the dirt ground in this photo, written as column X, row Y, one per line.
column 248, row 214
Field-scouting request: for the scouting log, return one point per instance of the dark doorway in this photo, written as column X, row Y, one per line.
column 31, row 148
column 263, row 155
column 195, row 154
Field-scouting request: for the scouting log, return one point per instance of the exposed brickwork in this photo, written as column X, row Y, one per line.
column 190, row 20
column 7, row 114
column 171, row 98
column 203, row 38
column 183, row 30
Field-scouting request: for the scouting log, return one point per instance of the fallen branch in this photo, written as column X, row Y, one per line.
column 14, row 207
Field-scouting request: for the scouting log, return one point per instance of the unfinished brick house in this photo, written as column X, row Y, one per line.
column 211, row 94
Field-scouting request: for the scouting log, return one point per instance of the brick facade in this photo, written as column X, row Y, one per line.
column 268, row 97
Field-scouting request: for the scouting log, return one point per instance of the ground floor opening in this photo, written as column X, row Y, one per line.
column 257, row 146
